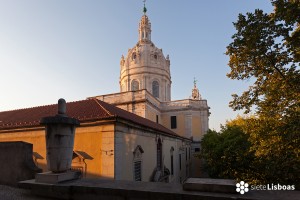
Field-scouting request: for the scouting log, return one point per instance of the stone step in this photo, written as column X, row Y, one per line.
column 50, row 177
column 210, row 185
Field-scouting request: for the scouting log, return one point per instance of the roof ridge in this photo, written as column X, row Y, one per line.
column 21, row 109
column 39, row 106
column 97, row 101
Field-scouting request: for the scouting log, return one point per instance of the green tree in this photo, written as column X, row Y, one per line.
column 227, row 154
column 266, row 49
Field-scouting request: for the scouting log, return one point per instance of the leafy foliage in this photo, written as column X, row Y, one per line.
column 227, row 154
column 239, row 152
column 265, row 49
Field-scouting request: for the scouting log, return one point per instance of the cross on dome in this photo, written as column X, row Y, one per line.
column 144, row 9
column 145, row 26
column 195, row 83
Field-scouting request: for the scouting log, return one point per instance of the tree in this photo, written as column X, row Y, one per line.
column 227, row 154
column 266, row 49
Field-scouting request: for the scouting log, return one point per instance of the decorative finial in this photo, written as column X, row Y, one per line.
column 144, row 9
column 62, row 107
column 195, row 82
column 195, row 92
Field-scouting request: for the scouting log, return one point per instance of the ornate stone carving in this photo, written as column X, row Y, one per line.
column 122, row 62
column 195, row 92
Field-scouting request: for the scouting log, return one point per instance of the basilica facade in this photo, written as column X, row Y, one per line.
column 137, row 134
column 145, row 89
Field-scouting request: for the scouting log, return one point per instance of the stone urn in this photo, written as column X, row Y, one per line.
column 60, row 134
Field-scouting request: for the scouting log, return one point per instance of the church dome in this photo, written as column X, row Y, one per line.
column 145, row 66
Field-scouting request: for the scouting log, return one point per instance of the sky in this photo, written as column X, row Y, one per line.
column 71, row 49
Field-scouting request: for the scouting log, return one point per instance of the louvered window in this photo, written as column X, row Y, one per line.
column 138, row 170
column 137, row 163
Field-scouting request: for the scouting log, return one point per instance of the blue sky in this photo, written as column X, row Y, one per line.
column 51, row 49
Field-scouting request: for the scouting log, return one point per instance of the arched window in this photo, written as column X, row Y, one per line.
column 137, row 163
column 155, row 89
column 133, row 56
column 135, row 85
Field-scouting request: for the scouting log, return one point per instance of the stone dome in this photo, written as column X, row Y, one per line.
column 145, row 66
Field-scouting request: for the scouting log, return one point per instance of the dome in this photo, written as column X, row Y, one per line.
column 145, row 66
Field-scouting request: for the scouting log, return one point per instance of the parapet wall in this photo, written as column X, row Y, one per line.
column 95, row 189
column 16, row 163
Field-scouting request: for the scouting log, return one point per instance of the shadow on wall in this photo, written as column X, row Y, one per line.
column 16, row 163
column 19, row 163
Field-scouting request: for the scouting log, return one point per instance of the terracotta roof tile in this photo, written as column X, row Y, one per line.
column 85, row 110
column 82, row 110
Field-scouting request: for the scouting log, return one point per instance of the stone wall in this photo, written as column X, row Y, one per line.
column 94, row 189
column 16, row 163
column 128, row 138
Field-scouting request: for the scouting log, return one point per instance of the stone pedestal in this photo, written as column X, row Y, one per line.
column 60, row 133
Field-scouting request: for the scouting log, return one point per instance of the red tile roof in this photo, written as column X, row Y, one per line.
column 85, row 110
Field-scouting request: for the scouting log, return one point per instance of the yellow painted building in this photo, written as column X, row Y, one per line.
column 109, row 143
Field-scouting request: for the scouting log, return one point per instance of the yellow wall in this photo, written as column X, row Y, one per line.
column 180, row 124
column 180, row 117
column 35, row 137
column 182, row 129
column 98, row 142
column 95, row 140
column 196, row 128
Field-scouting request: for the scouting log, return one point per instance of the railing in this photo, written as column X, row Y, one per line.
column 185, row 103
